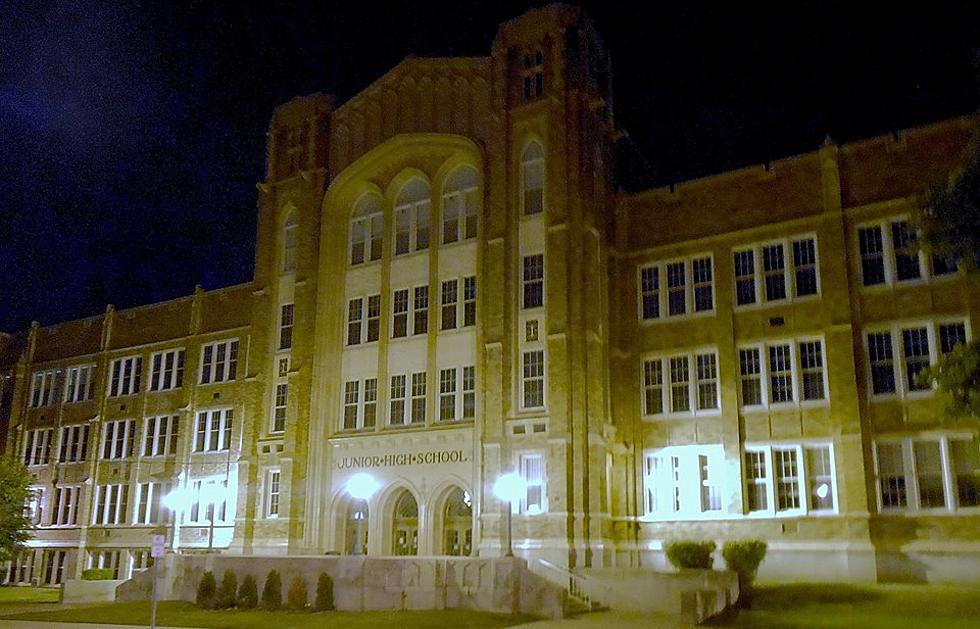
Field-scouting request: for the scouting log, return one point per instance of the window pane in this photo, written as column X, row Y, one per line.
column 891, row 475
column 774, row 265
column 929, row 474
column 787, row 479
column 744, row 277
column 811, row 367
column 872, row 255
column 653, row 381
column 966, row 467
column 756, row 479
column 915, row 342
column 951, row 335
column 701, row 269
column 707, row 382
column 906, row 256
column 676, row 290
column 650, row 289
column 805, row 267
column 780, row 374
column 679, row 381
column 820, row 480
column 882, row 366
column 750, row 370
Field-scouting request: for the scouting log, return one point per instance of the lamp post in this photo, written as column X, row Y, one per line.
column 509, row 488
column 361, row 486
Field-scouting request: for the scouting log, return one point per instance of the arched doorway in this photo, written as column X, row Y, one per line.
column 457, row 524
column 356, row 527
column 405, row 525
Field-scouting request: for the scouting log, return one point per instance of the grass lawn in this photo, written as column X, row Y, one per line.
column 14, row 599
column 832, row 606
column 181, row 614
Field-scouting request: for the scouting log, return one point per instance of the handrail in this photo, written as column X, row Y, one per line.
column 586, row 590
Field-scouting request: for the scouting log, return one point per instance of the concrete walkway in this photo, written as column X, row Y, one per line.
column 44, row 624
column 618, row 620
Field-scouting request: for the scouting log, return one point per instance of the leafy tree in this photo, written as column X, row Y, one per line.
column 272, row 591
column 206, row 589
column 296, row 597
column 227, row 590
column 248, row 593
column 324, row 593
column 15, row 522
column 957, row 376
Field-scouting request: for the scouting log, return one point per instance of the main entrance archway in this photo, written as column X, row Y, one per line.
column 457, row 524
column 405, row 525
column 356, row 527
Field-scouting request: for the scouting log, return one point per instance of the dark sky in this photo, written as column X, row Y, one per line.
column 132, row 133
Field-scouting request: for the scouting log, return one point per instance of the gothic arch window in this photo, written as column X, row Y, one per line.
column 405, row 525
column 533, row 74
column 412, row 217
column 366, row 230
column 290, row 237
column 532, row 180
column 459, row 205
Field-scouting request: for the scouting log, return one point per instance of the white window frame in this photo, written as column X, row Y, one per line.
column 522, row 506
column 407, row 313
column 64, row 505
column 802, row 480
column 890, row 264
column 673, row 487
column 287, row 324
column 73, row 444
column 280, row 406
column 691, row 356
column 225, row 419
column 359, row 404
column 160, row 435
column 160, row 379
column 110, row 505
column 117, row 385
column 79, row 383
column 214, row 372
column 149, row 499
column 903, row 390
column 415, row 210
column 467, row 209
column 273, row 492
column 524, row 380
column 116, row 435
column 912, row 491
column 45, row 388
column 789, row 272
column 37, row 446
column 663, row 291
column 371, row 223
column 797, row 373
column 525, row 283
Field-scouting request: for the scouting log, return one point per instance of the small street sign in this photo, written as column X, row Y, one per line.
column 157, row 545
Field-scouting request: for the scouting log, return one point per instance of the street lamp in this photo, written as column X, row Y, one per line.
column 177, row 501
column 361, row 486
column 509, row 488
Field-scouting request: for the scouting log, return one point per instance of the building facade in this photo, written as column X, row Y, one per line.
column 451, row 284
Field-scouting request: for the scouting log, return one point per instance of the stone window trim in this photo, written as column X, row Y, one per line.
column 533, row 375
column 697, row 404
column 659, row 304
column 930, row 268
column 272, row 492
column 804, row 479
column 903, row 388
column 797, row 371
column 907, row 488
column 790, row 271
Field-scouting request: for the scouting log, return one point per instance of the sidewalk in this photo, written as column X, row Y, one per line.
column 619, row 620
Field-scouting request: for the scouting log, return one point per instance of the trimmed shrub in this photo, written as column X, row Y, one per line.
column 743, row 558
column 324, row 593
column 206, row 590
column 296, row 596
column 690, row 554
column 227, row 590
column 272, row 591
column 248, row 593
column 98, row 574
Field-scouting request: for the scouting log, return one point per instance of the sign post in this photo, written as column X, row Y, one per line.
column 157, row 547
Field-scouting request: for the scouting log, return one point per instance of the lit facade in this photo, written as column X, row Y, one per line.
column 450, row 285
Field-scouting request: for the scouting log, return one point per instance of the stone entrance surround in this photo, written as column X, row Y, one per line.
column 372, row 583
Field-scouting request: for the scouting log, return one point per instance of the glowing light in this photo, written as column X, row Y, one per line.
column 823, row 491
column 180, row 498
column 509, row 487
column 362, row 486
column 467, row 499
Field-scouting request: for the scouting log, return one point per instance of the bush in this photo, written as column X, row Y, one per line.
column 227, row 591
column 206, row 590
column 98, row 574
column 690, row 554
column 272, row 591
column 296, row 596
column 324, row 593
column 743, row 558
column 248, row 593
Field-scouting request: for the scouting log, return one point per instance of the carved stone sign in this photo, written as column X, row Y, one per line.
column 431, row 457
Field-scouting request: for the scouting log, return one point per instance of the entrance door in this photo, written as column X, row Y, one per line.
column 405, row 538
column 458, row 524
column 356, row 531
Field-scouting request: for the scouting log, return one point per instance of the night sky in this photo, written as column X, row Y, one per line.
column 132, row 133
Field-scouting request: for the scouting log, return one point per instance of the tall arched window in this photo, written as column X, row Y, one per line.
column 532, row 179
column 367, row 230
column 412, row 217
column 459, row 205
column 290, row 236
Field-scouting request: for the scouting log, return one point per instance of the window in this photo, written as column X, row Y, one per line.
column 447, row 395
column 532, row 281
column 167, row 370
column 65, row 507
column 449, row 302
column 682, row 482
column 149, row 503
column 272, row 493
column 469, row 301
column 459, row 205
column 691, row 385
column 532, row 382
column 788, row 271
column 124, row 376
column 396, row 414
column 938, row 473
column 782, row 372
column 355, row 313
column 279, row 408
column 369, row 415
column 367, row 230
column 532, row 180
column 420, row 312
column 37, row 446
column 214, row 430
column 457, row 393
column 357, row 331
column 45, row 388
column 898, row 354
column 74, row 443
column 399, row 314
column 110, row 504
column 532, row 472
column 532, row 76
column 890, row 254
column 351, row 399
column 790, row 479
column 210, row 501
column 219, row 362
column 118, row 438
column 374, row 318
column 469, row 392
column 80, row 383
column 412, row 218
column 286, row 326
column 161, row 435
column 290, row 238
column 418, row 397
column 689, row 287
